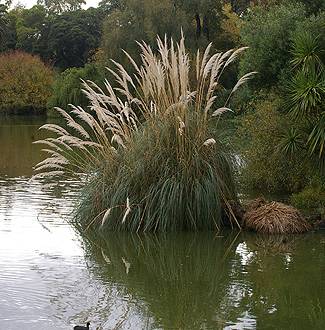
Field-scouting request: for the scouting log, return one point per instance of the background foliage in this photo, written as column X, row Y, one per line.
column 266, row 168
column 286, row 41
column 67, row 86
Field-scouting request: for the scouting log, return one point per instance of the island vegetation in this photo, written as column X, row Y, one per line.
column 271, row 143
column 154, row 156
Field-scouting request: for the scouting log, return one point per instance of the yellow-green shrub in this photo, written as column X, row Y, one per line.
column 267, row 169
column 25, row 83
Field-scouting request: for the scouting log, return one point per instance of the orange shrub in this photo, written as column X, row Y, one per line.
column 25, row 83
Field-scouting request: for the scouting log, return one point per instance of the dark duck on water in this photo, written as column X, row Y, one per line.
column 80, row 327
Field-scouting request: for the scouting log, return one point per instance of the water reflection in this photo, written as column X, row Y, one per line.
column 287, row 281
column 17, row 153
column 207, row 282
column 181, row 278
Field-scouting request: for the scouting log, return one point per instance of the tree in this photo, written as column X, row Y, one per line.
column 231, row 24
column 10, row 37
column 131, row 21
column 64, row 40
column 206, row 13
column 304, row 95
column 70, row 38
column 266, row 169
column 268, row 33
column 238, row 6
column 29, row 27
column 313, row 6
column 109, row 5
column 3, row 23
column 60, row 6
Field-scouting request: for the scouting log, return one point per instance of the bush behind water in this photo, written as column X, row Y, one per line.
column 25, row 83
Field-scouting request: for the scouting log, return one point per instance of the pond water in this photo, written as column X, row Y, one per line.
column 51, row 277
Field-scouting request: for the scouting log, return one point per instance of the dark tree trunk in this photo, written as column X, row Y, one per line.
column 198, row 26
column 206, row 27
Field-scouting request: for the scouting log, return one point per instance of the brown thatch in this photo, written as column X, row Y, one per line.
column 274, row 218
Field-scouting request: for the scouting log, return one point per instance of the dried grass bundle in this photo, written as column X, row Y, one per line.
column 274, row 218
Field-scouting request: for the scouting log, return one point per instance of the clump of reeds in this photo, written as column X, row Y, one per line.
column 274, row 218
column 150, row 148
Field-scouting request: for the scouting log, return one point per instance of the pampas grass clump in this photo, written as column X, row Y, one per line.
column 274, row 218
column 149, row 150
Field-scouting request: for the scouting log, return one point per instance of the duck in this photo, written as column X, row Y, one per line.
column 80, row 327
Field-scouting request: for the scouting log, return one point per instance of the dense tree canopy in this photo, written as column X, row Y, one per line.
column 268, row 34
column 286, row 43
column 3, row 22
column 60, row 6
column 65, row 35
column 64, row 40
column 73, row 37
column 130, row 21
column 29, row 27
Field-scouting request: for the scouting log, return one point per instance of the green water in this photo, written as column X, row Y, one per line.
column 53, row 278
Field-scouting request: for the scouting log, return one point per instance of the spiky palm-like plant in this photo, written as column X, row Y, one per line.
column 150, row 147
column 307, row 90
column 306, row 51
